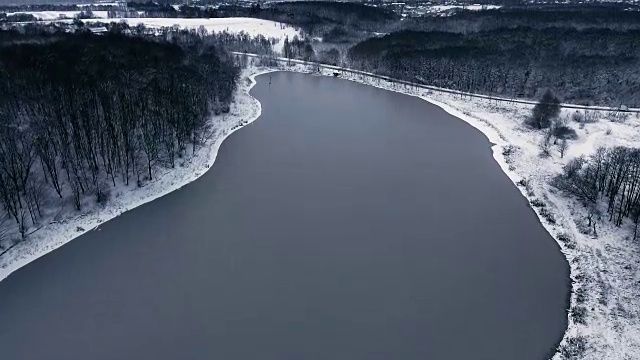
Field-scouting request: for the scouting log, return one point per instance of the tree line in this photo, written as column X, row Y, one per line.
column 590, row 66
column 80, row 113
column 612, row 16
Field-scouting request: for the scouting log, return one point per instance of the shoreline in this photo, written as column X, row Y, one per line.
column 571, row 344
column 51, row 236
column 247, row 109
column 496, row 143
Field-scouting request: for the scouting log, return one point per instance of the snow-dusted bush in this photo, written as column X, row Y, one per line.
column 590, row 116
column 579, row 314
column 527, row 186
column 618, row 116
column 564, row 237
column 581, row 295
column 547, row 215
column 545, row 147
column 567, row 240
column 577, row 117
column 562, row 131
column 585, row 117
column 509, row 150
column 582, row 226
column 574, row 349
column 538, row 203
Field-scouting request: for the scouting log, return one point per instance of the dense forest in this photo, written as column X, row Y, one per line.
column 584, row 56
column 611, row 16
column 80, row 113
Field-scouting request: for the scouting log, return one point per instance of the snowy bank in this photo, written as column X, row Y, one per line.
column 244, row 110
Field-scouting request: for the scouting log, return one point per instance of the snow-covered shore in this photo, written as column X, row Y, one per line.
column 604, row 271
column 604, row 316
column 58, row 232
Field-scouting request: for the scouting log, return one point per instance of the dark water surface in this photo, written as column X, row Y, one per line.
column 348, row 223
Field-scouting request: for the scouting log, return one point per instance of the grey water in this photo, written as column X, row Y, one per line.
column 347, row 222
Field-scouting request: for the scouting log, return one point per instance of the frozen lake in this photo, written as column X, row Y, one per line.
column 347, row 222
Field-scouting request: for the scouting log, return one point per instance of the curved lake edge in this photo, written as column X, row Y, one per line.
column 52, row 236
column 497, row 143
column 73, row 228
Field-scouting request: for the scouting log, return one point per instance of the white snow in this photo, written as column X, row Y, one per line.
column 472, row 7
column 251, row 26
column 55, row 15
column 103, row 4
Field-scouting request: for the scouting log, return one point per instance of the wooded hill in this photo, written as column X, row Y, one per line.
column 585, row 57
column 80, row 113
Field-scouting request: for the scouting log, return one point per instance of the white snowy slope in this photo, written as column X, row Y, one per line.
column 251, row 26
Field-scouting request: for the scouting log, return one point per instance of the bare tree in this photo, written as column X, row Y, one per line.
column 562, row 147
column 635, row 216
column 4, row 227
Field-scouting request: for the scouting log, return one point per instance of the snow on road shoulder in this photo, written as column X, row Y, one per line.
column 244, row 110
column 605, row 271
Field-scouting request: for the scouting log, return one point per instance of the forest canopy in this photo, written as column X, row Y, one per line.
column 587, row 54
column 80, row 112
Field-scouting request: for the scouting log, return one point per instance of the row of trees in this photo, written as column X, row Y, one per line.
column 594, row 66
column 612, row 16
column 223, row 40
column 80, row 113
column 16, row 18
column 612, row 174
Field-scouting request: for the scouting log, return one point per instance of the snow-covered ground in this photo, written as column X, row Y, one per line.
column 55, row 15
column 251, row 26
column 605, row 271
column 420, row 10
column 472, row 7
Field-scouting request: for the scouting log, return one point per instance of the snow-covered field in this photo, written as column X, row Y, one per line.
column 605, row 270
column 444, row 9
column 55, row 15
column 251, row 26
column 472, row 7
